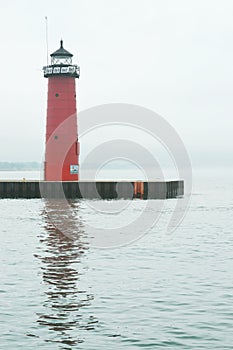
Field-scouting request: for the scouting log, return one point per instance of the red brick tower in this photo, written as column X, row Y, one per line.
column 62, row 147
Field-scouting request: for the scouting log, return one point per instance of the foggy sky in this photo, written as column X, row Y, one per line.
column 174, row 57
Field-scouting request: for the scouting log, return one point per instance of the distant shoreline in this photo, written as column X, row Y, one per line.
column 19, row 166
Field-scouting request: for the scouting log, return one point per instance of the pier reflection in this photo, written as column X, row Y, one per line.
column 62, row 267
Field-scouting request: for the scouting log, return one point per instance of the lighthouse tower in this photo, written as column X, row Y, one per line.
column 62, row 146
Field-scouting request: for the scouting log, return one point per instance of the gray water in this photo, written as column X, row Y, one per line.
column 164, row 291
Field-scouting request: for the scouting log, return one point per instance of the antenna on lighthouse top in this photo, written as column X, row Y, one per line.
column 47, row 39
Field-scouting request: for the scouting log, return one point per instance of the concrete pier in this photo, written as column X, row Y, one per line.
column 92, row 189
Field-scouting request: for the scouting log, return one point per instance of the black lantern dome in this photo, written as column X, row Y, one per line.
column 61, row 56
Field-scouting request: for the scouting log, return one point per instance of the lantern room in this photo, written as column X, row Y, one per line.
column 61, row 64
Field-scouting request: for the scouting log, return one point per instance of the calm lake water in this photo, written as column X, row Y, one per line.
column 164, row 291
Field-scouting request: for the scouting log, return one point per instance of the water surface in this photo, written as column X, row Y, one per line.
column 161, row 292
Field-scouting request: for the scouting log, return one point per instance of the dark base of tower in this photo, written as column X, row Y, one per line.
column 92, row 189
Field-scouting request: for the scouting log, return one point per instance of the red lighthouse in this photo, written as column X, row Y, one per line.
column 62, row 147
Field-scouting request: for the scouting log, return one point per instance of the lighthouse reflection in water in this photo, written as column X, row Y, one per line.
column 61, row 268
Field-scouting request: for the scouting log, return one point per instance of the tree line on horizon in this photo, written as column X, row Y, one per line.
column 11, row 166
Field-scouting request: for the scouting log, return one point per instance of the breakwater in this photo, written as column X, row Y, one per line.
column 92, row 189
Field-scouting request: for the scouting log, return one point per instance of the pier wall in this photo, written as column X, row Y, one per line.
column 92, row 189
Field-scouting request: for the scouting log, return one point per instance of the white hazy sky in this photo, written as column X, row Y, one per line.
column 172, row 56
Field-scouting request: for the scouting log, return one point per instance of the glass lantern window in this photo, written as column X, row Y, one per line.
column 61, row 60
